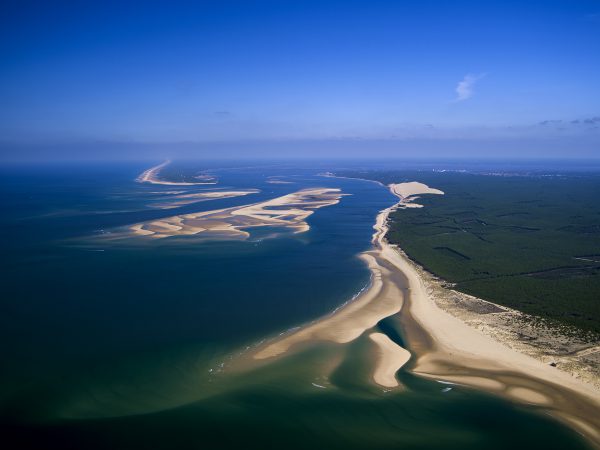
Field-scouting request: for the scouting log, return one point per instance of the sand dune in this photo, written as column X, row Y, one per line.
column 409, row 192
column 412, row 188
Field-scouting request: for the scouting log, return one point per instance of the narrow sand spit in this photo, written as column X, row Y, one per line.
column 151, row 176
column 348, row 322
column 289, row 211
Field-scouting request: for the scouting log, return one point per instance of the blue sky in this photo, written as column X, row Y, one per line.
column 524, row 73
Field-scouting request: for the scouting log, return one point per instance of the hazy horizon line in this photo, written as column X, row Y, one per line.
column 356, row 148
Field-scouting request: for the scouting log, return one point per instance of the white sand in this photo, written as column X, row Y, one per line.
column 392, row 357
column 349, row 321
column 457, row 346
column 409, row 191
column 405, row 190
column 446, row 348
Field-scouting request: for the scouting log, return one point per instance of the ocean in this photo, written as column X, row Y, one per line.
column 112, row 340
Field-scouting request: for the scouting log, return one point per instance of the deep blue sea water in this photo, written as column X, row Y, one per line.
column 102, row 339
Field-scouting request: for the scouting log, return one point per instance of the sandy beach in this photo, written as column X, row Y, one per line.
column 443, row 347
column 350, row 321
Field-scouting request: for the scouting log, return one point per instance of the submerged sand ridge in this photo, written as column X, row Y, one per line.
column 289, row 211
column 182, row 199
column 409, row 192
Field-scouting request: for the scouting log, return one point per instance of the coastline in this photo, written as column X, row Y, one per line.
column 439, row 345
column 447, row 349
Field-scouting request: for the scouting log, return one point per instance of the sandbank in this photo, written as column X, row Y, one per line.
column 392, row 357
column 289, row 211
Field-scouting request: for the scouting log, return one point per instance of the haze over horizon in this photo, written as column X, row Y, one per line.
column 286, row 79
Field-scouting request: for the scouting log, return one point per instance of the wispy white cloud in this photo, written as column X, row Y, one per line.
column 464, row 88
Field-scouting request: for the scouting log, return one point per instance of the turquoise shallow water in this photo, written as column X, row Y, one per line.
column 121, row 344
